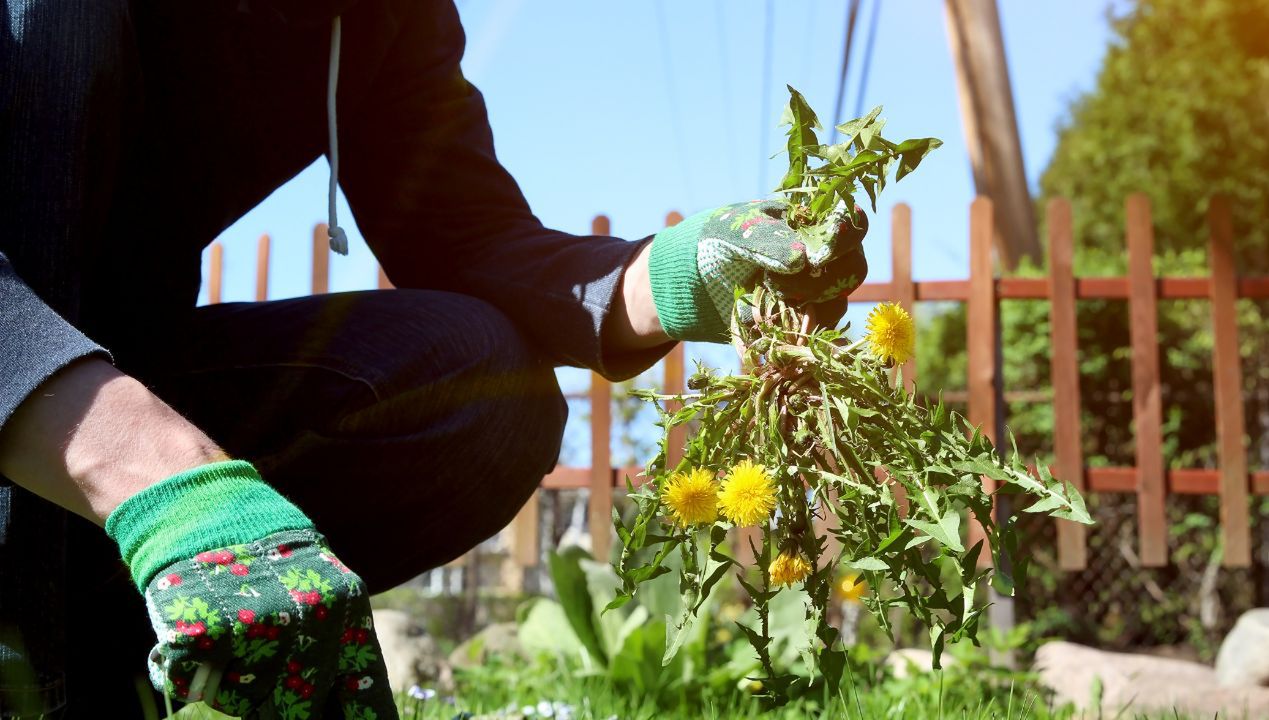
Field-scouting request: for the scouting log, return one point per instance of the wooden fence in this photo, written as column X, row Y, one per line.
column 982, row 292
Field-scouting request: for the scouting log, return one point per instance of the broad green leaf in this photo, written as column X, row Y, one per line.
column 866, row 563
column 850, row 130
column 912, row 152
column 947, row 530
column 571, row 586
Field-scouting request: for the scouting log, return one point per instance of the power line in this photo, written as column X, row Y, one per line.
column 851, row 16
column 808, row 47
column 726, row 88
column 675, row 123
column 863, row 75
column 763, row 132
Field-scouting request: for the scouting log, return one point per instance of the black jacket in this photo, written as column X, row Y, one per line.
column 195, row 112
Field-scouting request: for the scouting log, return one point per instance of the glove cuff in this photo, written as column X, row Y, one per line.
column 682, row 301
column 209, row 507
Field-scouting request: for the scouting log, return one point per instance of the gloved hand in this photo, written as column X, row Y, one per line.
column 253, row 612
column 696, row 265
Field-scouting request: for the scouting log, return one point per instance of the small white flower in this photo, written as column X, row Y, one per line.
column 528, row 711
column 365, row 683
column 545, row 709
column 273, row 554
column 284, row 618
column 171, row 636
column 419, row 693
column 163, row 584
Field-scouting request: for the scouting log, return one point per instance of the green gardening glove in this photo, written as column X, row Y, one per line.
column 696, row 265
column 255, row 616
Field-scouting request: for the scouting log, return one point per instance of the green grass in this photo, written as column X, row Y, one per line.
column 499, row 689
column 920, row 699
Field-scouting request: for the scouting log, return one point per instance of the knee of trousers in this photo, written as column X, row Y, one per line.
column 467, row 374
column 459, row 438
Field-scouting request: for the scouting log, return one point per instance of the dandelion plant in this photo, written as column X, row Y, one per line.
column 816, row 441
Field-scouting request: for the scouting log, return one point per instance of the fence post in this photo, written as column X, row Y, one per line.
column 1227, row 382
column 321, row 260
column 600, row 506
column 982, row 328
column 262, row 268
column 1072, row 540
column 1147, row 405
column 986, row 404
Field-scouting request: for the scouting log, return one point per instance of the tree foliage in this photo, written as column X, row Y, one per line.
column 1180, row 111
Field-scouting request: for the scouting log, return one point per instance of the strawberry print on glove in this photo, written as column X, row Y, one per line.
column 280, row 622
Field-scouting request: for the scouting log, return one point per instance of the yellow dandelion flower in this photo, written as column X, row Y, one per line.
column 748, row 494
column 891, row 335
column 788, row 568
column 692, row 497
column 851, row 588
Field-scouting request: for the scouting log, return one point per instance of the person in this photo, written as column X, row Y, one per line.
column 213, row 443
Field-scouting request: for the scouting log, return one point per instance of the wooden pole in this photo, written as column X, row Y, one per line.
column 1147, row 403
column 991, row 126
column 1227, row 382
column 1065, row 377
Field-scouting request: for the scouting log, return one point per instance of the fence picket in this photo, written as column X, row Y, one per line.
column 901, row 285
column 675, row 381
column 321, row 260
column 600, row 506
column 1147, row 405
column 262, row 267
column 982, row 326
column 215, row 273
column 524, row 533
column 1227, row 383
column 1064, row 373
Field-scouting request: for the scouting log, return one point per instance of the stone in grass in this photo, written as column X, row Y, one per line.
column 1244, row 655
column 410, row 654
column 1109, row 682
column 907, row 662
column 498, row 640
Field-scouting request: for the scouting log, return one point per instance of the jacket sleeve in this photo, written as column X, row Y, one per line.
column 35, row 341
column 440, row 211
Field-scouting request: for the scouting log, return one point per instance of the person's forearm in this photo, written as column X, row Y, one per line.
column 635, row 325
column 90, row 437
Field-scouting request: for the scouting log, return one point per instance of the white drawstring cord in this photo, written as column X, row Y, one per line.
column 338, row 240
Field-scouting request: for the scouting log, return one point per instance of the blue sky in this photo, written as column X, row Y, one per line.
column 635, row 109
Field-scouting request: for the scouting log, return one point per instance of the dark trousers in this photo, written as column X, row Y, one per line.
column 410, row 425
